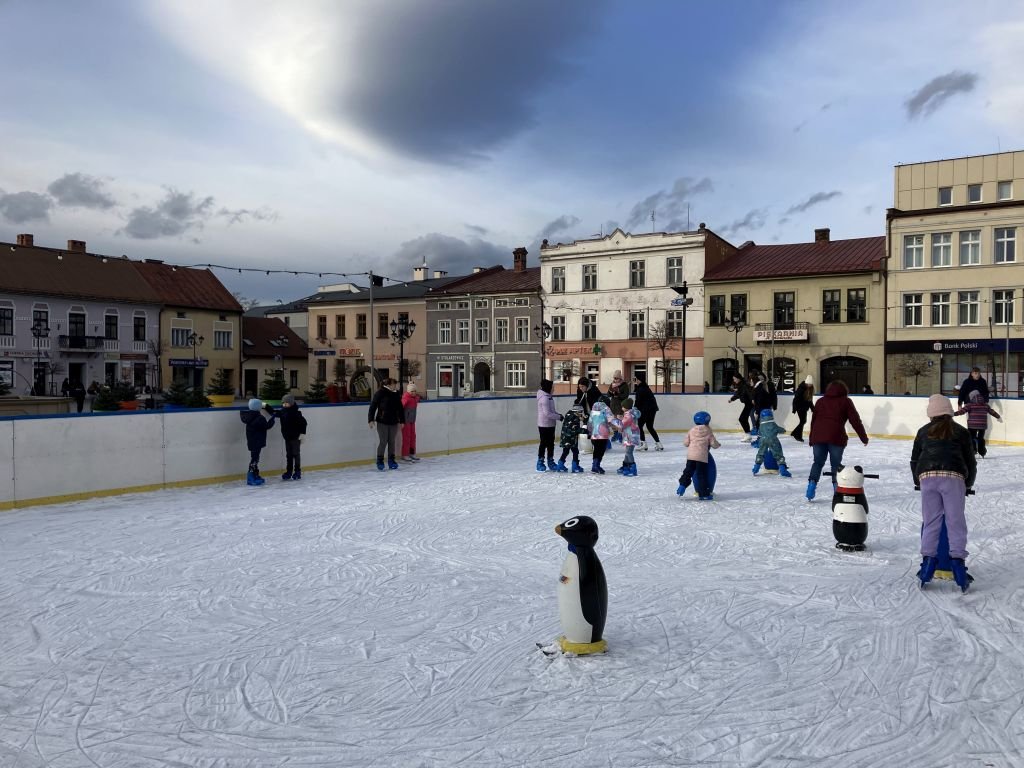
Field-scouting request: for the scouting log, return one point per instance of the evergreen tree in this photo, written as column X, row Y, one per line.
column 197, row 399
column 274, row 386
column 221, row 384
column 317, row 392
column 106, row 400
column 177, row 394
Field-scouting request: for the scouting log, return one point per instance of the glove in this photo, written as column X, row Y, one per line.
column 559, row 417
column 302, row 438
column 372, row 425
column 969, row 492
column 917, row 487
column 999, row 419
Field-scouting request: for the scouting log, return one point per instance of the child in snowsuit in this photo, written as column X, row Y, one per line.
column 547, row 418
column 944, row 468
column 258, row 419
column 572, row 425
column 410, row 402
column 977, row 411
column 600, row 429
column 768, row 436
column 628, row 426
column 293, row 430
column 698, row 441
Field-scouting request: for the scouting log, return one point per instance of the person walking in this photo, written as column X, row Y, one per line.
column 386, row 414
column 742, row 393
column 78, row 393
column 647, row 404
column 828, row 437
column 803, row 401
column 547, row 418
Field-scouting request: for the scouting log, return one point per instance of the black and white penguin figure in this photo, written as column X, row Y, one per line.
column 850, row 509
column 582, row 589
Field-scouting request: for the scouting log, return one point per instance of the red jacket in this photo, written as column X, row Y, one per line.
column 831, row 412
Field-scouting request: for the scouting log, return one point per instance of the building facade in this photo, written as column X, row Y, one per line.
column 955, row 275
column 268, row 344
column 613, row 304
column 791, row 310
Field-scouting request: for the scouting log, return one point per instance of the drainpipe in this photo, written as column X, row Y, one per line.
column 885, row 301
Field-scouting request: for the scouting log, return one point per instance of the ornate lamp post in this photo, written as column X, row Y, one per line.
column 735, row 324
column 683, row 302
column 401, row 330
column 195, row 341
column 543, row 333
column 40, row 330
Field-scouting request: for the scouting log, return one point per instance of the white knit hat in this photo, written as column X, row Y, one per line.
column 809, row 381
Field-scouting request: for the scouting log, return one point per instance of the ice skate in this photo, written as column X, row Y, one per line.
column 643, row 445
column 811, row 488
column 297, row 474
column 927, row 569
column 286, row 476
column 960, row 575
column 560, row 466
column 784, row 471
column 757, row 467
column 541, row 466
column 552, row 466
column 659, row 447
column 576, row 467
column 392, row 464
column 380, row 463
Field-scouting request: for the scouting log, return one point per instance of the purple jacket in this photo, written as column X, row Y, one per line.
column 547, row 416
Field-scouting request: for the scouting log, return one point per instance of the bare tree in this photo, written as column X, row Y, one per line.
column 246, row 303
column 658, row 338
column 913, row 365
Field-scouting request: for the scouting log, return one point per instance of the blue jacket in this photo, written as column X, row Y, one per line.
column 257, row 423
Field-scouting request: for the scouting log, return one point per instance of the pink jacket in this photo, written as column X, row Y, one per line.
column 699, row 441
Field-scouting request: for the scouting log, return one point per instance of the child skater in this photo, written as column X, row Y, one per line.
column 698, row 441
column 629, row 428
column 293, row 430
column 547, row 418
column 257, row 419
column 944, row 468
column 768, row 436
column 410, row 402
column 572, row 426
column 977, row 411
column 600, row 430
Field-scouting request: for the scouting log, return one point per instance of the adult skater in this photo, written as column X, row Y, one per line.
column 742, row 394
column 974, row 382
column 386, row 414
column 828, row 431
column 763, row 397
column 647, row 404
column 803, row 401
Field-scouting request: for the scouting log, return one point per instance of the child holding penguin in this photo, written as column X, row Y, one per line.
column 768, row 440
column 699, row 441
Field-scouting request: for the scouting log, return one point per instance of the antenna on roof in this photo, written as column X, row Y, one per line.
column 653, row 217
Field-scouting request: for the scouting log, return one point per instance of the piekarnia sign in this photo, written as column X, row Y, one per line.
column 779, row 334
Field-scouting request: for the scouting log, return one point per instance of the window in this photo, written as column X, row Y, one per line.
column 110, row 327
column 444, row 331
column 321, row 326
column 589, row 327
column 785, row 309
column 940, row 308
column 1002, row 307
column 1004, row 190
column 558, row 328
column 913, row 309
column 293, row 379
column 6, row 321
column 501, row 330
column 522, row 330
column 590, row 277
column 913, row 251
column 462, row 331
column 501, row 302
column 481, row 304
column 942, row 249
column 515, row 375
column 945, row 195
column 594, row 372
column 321, row 369
column 179, row 336
column 383, row 327
column 339, row 326
column 522, row 302
column 674, row 270
column 637, row 274
column 76, row 324
column 974, row 193
column 674, row 323
column 444, row 305
column 41, row 317
column 139, row 328
column 716, row 310
column 483, row 331
column 857, row 305
column 738, row 307
column 222, row 339
column 7, row 373
column 360, row 326
column 970, row 307
column 462, row 305
column 637, row 326
column 558, row 279
column 831, row 308
column 1006, row 245
column 970, row 247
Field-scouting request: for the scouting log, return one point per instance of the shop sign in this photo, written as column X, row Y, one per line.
column 782, row 334
column 324, row 353
column 188, row 362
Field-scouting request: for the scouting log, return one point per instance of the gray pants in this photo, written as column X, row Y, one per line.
column 388, row 434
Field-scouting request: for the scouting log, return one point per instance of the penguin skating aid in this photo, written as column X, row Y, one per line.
column 850, row 509
column 582, row 590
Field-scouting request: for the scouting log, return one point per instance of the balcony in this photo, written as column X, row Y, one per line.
column 781, row 332
column 80, row 343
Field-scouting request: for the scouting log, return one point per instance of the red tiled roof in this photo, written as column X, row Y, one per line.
column 495, row 280
column 187, row 287
column 260, row 330
column 862, row 254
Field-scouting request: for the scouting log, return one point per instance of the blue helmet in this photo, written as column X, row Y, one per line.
column 701, row 417
column 767, row 415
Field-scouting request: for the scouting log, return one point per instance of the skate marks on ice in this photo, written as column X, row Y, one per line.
column 353, row 621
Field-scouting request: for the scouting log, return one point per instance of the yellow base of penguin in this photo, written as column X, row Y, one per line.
column 945, row 575
column 582, row 649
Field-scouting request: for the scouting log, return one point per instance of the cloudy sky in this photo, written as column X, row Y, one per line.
column 345, row 135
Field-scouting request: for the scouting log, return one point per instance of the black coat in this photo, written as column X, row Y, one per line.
column 953, row 455
column 293, row 423
column 970, row 385
column 644, row 399
column 764, row 396
column 801, row 402
column 742, row 393
column 588, row 398
column 257, row 423
column 386, row 407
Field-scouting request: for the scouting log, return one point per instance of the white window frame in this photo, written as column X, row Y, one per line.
column 481, row 304
column 464, row 304
column 522, row 302
column 1004, row 243
column 558, row 328
column 941, row 306
column 1002, row 306
column 638, row 325
column 968, row 304
column 515, row 374
column 947, row 193
column 970, row 247
column 913, row 245
column 588, row 320
column 637, row 274
column 501, row 330
column 558, row 279
column 674, row 323
column 483, row 330
column 444, row 305
column 913, row 310
column 7, row 373
column 222, row 339
column 522, row 330
column 674, row 270
column 179, row 336
column 942, row 249
column 501, row 302
column 444, row 331
column 1004, row 190
column 462, row 330
column 971, row 189
column 589, row 280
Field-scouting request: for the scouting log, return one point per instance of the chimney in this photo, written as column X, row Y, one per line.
column 76, row 246
column 519, row 259
column 439, row 273
column 419, row 273
column 477, row 269
column 26, row 240
column 821, row 235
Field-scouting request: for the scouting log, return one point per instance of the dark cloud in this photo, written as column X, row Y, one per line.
column 477, row 230
column 450, row 254
column 669, row 205
column 173, row 216
column 78, row 190
column 21, row 207
column 448, row 82
column 754, row 219
column 561, row 225
column 815, row 199
column 868, row 209
column 937, row 91
column 242, row 214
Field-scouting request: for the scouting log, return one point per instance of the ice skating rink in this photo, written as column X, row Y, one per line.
column 368, row 619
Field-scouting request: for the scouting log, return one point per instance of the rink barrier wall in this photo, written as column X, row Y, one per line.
column 58, row 458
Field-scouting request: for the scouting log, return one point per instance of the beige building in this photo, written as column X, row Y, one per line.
column 954, row 274
column 792, row 310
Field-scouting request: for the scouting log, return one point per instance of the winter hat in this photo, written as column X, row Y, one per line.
column 701, row 418
column 255, row 404
column 975, row 396
column 767, row 415
column 546, row 385
column 288, row 400
column 640, row 376
column 938, row 405
column 627, row 403
column 809, row 381
column 411, row 389
column 617, row 376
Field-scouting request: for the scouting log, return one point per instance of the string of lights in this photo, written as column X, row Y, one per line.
column 297, row 272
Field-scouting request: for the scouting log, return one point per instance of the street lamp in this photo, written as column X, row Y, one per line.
column 195, row 341
column 937, row 346
column 736, row 324
column 684, row 302
column 401, row 330
column 543, row 333
column 40, row 330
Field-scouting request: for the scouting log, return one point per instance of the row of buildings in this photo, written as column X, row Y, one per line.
column 909, row 310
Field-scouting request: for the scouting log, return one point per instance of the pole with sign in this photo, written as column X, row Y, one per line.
column 682, row 301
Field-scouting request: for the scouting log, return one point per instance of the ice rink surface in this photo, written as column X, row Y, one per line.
column 359, row 618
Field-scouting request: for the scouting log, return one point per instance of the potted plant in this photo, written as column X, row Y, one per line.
column 221, row 391
column 317, row 392
column 273, row 387
column 106, row 400
column 124, row 394
column 176, row 396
